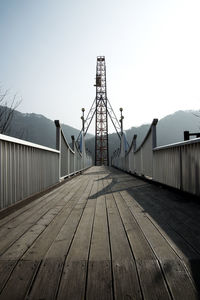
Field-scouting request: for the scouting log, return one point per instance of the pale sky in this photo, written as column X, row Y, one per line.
column 152, row 49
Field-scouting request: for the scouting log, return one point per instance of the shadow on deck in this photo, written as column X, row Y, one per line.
column 103, row 235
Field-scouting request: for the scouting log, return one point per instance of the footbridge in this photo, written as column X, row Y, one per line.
column 72, row 230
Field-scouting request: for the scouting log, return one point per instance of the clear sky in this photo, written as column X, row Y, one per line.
column 152, row 48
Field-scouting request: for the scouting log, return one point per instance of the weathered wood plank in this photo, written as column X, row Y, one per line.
column 75, row 268
column 99, row 280
column 35, row 253
column 17, row 286
column 107, row 235
column 46, row 284
column 42, row 244
column 164, row 252
column 6, row 268
column 178, row 280
column 18, row 226
column 148, row 268
column 126, row 283
column 152, row 281
column 43, row 200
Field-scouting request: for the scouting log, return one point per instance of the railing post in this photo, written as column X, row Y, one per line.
column 121, row 120
column 68, row 161
column 181, row 168
column 83, row 139
column 83, row 151
column 134, row 142
column 73, row 147
column 58, row 145
column 154, row 137
column 154, row 142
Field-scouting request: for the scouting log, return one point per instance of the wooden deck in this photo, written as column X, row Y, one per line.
column 102, row 235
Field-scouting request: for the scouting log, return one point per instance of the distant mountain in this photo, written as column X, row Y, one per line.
column 169, row 130
column 37, row 129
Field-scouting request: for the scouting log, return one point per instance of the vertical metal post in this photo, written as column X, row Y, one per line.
column 134, row 142
column 83, row 139
column 154, row 142
column 121, row 120
column 181, row 168
column 73, row 147
column 83, row 121
column 154, row 137
column 73, row 142
column 58, row 145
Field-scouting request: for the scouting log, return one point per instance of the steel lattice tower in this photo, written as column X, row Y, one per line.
column 101, row 130
column 101, row 109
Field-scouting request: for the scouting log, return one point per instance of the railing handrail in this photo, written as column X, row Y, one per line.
column 154, row 122
column 26, row 143
column 176, row 165
column 66, row 142
column 77, row 149
column 178, row 144
column 27, row 168
column 132, row 143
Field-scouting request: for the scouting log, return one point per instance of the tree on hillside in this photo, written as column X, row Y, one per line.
column 8, row 104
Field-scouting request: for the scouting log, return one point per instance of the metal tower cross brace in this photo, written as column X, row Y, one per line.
column 101, row 129
column 101, row 108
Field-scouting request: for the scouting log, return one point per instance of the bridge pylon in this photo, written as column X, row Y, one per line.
column 102, row 109
column 101, row 115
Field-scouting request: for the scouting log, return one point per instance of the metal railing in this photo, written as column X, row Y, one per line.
column 176, row 165
column 27, row 168
column 71, row 160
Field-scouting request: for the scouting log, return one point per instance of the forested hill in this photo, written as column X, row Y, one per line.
column 37, row 129
column 169, row 130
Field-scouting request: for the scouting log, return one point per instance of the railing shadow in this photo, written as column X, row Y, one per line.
column 178, row 217
column 114, row 185
column 176, row 214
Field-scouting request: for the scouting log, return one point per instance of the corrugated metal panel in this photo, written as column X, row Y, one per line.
column 25, row 170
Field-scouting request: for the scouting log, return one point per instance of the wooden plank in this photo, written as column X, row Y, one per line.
column 20, row 225
column 45, row 199
column 178, row 280
column 99, row 280
column 17, row 286
column 24, row 243
column 152, row 280
column 182, row 223
column 100, row 248
column 46, row 202
column 42, row 244
column 99, row 283
column 32, row 258
column 6, row 268
column 183, row 204
column 161, row 219
column 46, row 283
column 126, row 283
column 181, row 239
column 115, row 236
column 176, row 210
column 139, row 244
column 164, row 253
column 148, row 268
column 75, row 268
